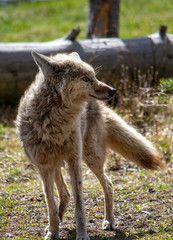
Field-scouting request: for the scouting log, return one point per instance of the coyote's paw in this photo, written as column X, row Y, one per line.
column 106, row 225
column 52, row 236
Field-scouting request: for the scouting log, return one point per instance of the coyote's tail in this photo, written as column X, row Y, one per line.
column 130, row 144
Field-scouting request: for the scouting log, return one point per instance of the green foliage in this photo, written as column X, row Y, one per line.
column 166, row 85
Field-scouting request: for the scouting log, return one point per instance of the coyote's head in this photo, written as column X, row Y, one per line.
column 72, row 78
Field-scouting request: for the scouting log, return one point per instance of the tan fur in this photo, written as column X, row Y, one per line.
column 59, row 119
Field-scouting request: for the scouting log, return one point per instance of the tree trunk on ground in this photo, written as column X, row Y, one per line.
column 17, row 68
column 103, row 20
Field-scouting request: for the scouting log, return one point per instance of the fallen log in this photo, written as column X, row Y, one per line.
column 17, row 68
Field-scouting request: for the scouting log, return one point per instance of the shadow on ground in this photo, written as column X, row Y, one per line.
column 119, row 235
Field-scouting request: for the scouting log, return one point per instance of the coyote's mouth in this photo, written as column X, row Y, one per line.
column 100, row 98
column 111, row 93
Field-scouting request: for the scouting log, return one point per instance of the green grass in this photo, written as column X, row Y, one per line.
column 44, row 21
column 41, row 21
column 140, row 18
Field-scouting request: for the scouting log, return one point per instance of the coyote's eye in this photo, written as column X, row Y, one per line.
column 85, row 79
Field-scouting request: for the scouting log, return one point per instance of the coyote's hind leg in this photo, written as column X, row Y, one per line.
column 97, row 167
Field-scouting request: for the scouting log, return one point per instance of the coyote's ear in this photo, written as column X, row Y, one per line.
column 43, row 63
column 75, row 54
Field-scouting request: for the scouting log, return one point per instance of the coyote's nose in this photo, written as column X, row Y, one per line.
column 111, row 92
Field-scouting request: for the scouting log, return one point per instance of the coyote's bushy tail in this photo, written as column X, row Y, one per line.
column 130, row 144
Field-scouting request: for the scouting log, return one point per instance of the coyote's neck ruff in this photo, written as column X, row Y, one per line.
column 60, row 119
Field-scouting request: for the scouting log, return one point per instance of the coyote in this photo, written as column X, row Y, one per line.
column 62, row 120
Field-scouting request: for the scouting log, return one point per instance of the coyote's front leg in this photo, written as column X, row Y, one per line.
column 76, row 181
column 64, row 194
column 48, row 177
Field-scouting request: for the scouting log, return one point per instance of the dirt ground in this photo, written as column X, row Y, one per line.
column 143, row 202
